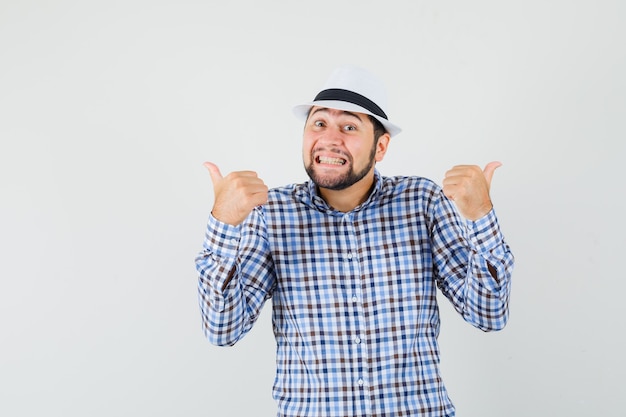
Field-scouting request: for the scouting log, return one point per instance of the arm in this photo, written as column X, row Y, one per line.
column 236, row 277
column 473, row 266
column 472, row 260
column 235, row 269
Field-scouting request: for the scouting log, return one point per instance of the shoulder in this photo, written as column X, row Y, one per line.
column 286, row 193
column 419, row 187
column 289, row 197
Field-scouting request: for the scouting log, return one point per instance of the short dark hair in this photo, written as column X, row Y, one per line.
column 379, row 129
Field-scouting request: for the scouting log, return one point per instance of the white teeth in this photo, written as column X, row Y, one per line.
column 332, row 161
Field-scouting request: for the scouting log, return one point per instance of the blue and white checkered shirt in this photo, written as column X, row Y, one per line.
column 354, row 294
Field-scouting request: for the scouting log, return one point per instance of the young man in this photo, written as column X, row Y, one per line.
column 352, row 261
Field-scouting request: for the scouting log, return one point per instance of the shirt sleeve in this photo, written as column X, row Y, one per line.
column 235, row 278
column 473, row 265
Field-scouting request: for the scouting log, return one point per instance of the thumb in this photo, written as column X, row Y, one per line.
column 490, row 169
column 214, row 171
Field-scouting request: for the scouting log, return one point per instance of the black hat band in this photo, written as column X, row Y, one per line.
column 351, row 97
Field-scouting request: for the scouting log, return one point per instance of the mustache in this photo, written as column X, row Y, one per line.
column 337, row 151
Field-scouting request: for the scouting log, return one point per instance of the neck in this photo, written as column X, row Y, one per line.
column 349, row 198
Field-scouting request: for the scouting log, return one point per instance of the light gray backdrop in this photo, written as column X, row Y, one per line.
column 109, row 108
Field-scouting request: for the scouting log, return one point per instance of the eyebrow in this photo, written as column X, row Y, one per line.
column 319, row 109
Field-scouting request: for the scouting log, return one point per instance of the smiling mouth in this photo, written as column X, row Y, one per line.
column 329, row 160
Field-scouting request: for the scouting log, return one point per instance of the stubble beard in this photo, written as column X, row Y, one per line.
column 340, row 182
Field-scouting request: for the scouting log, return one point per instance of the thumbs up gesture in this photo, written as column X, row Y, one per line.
column 236, row 194
column 468, row 186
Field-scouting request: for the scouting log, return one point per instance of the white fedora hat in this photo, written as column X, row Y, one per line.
column 352, row 89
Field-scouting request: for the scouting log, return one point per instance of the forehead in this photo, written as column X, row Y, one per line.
column 336, row 112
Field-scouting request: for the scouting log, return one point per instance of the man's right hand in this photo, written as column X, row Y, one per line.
column 236, row 194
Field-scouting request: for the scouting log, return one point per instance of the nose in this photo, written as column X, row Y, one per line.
column 331, row 137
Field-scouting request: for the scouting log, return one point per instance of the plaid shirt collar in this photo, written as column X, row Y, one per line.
column 308, row 194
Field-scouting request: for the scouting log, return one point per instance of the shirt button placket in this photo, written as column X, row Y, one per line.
column 353, row 269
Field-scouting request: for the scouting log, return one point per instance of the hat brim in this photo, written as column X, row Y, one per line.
column 302, row 111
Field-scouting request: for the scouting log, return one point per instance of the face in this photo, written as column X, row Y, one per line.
column 339, row 149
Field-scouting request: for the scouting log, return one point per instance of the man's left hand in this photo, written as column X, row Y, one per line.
column 468, row 186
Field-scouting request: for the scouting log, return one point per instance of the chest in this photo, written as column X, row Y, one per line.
column 328, row 262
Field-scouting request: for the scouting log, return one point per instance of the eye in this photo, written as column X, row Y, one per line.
column 318, row 123
column 349, row 128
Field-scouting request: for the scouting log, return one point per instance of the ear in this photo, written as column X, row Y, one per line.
column 381, row 147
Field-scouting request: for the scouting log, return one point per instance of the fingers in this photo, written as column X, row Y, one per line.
column 236, row 194
column 468, row 186
column 456, row 174
column 216, row 175
column 490, row 168
column 458, row 178
column 214, row 171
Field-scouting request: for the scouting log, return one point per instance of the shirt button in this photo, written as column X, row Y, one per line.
column 233, row 241
column 355, row 298
column 360, row 382
column 349, row 256
column 357, row 340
